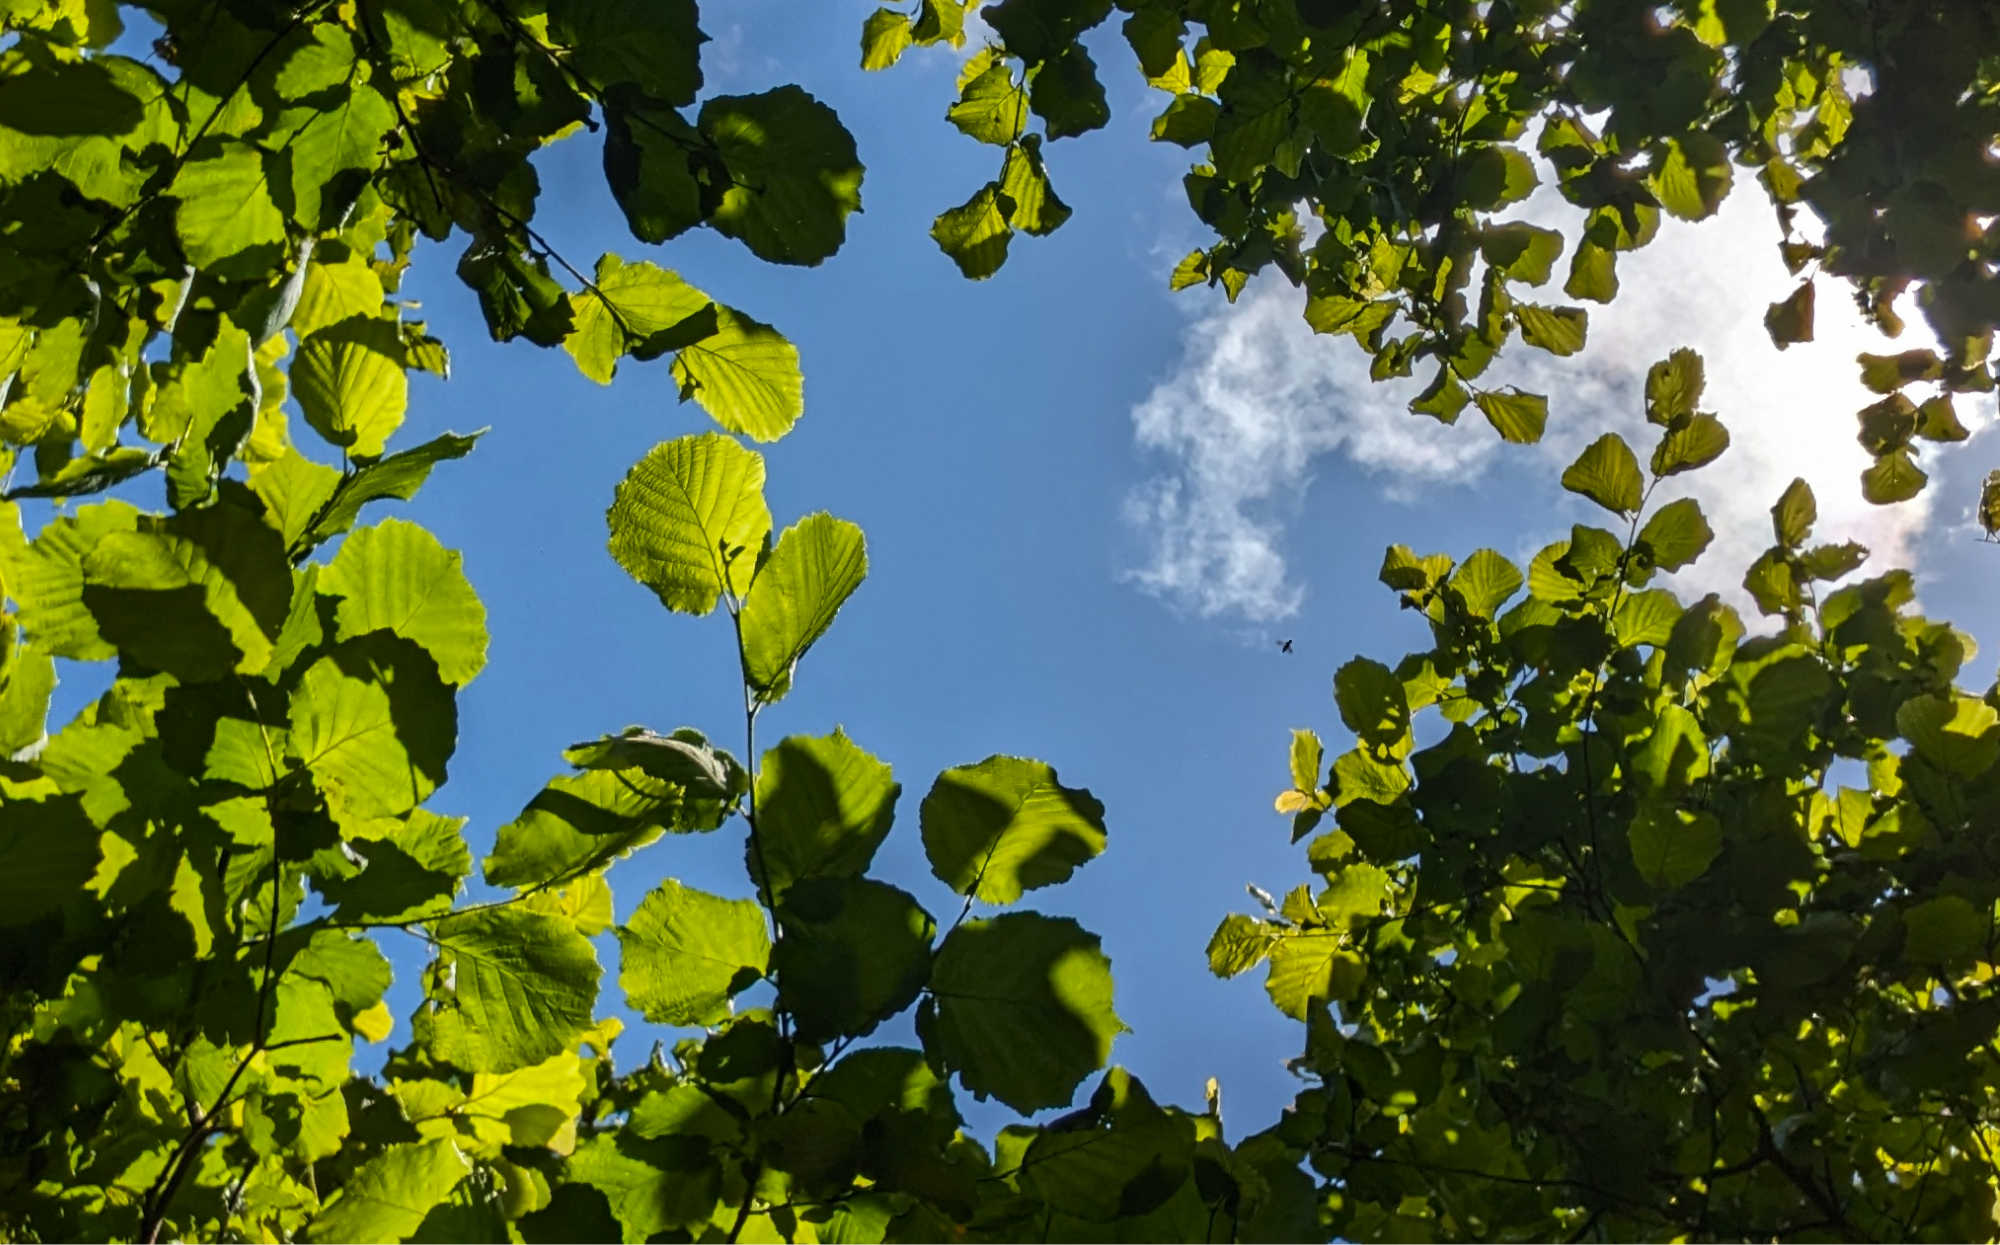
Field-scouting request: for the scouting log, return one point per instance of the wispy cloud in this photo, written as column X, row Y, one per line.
column 1257, row 403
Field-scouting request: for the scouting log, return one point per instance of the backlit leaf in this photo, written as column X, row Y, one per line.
column 374, row 724
column 823, row 807
column 794, row 174
column 350, row 384
column 1020, row 1007
column 1671, row 846
column 685, row 953
column 854, row 953
column 1518, row 417
column 688, row 518
column 387, row 1198
column 1608, row 474
column 745, row 375
column 512, row 988
column 816, row 564
column 396, row 577
column 1677, row 534
column 1006, row 825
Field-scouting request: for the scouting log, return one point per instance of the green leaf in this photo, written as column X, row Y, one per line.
column 1308, row 758
column 745, row 374
column 1895, row 477
column 48, row 851
column 683, row 759
column 652, row 1187
column 1523, row 252
column 1020, row 1007
column 1484, row 582
column 387, row 1197
column 1646, row 618
column 1443, row 399
column 1240, row 944
column 1518, row 417
column 65, row 98
column 1832, row 561
column 374, row 725
column 1006, row 825
column 27, row 680
column 1886, row 373
column 991, row 108
column 1887, row 425
column 1791, row 320
column 1558, row 330
column 1024, row 182
column 688, row 518
column 1771, row 584
column 1704, row 637
column 47, row 581
column 1312, row 966
column 1066, row 95
column 396, row 577
column 1593, row 272
column 334, row 292
column 351, row 386
column 1677, row 534
column 1672, row 846
column 650, row 166
column 975, row 234
column 226, row 220
column 412, row 871
column 1673, row 388
column 1696, row 443
column 1937, row 420
column 652, row 44
column 823, row 807
column 294, row 490
column 884, row 36
column 817, row 563
column 198, row 595
column 641, row 309
column 1793, row 515
column 794, row 176
column 1495, row 175
column 509, row 988
column 329, row 152
column 1675, row 755
column 398, row 476
column 686, row 953
column 1189, row 121
column 854, row 953
column 582, row 823
column 1372, row 702
column 1119, row 1159
column 1944, row 930
column 683, row 1110
column 1694, row 177
column 1608, row 474
column 1956, row 733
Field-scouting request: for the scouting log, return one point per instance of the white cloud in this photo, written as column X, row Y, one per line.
column 1257, row 402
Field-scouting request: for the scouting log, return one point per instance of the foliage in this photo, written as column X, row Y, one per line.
column 1659, row 929
column 201, row 868
column 201, row 862
column 1404, row 131
column 1632, row 839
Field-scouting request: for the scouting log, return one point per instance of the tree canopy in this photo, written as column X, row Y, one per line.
column 1669, row 930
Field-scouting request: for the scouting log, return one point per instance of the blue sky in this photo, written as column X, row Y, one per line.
column 1092, row 506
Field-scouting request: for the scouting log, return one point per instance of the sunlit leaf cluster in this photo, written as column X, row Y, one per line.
column 1630, row 923
column 215, row 872
column 1377, row 155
